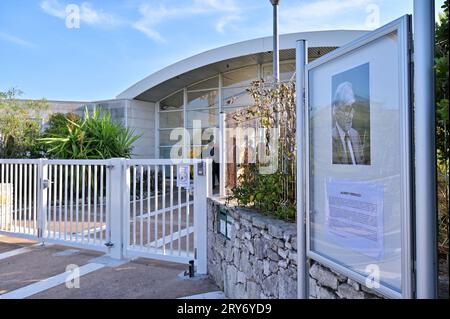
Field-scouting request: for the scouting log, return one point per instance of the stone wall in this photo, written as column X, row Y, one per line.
column 324, row 283
column 259, row 260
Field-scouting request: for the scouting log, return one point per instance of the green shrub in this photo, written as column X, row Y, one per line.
column 94, row 137
column 20, row 123
column 59, row 123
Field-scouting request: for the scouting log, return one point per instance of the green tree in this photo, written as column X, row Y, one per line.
column 20, row 123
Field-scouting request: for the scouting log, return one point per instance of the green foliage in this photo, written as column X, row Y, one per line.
column 265, row 193
column 271, row 194
column 95, row 137
column 58, row 123
column 20, row 125
column 442, row 125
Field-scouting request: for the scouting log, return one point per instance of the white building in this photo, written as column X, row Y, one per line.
column 202, row 86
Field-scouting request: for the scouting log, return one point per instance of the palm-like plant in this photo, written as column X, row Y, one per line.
column 95, row 137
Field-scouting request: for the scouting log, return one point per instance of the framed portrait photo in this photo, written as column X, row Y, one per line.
column 358, row 161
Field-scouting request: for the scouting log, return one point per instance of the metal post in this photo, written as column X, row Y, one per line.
column 222, row 181
column 42, row 197
column 302, row 273
column 202, row 190
column 119, row 189
column 276, row 42
column 425, row 146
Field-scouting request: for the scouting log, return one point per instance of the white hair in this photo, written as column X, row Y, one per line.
column 344, row 95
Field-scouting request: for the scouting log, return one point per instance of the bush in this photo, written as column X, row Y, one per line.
column 264, row 193
column 271, row 194
column 20, row 123
column 59, row 123
column 94, row 137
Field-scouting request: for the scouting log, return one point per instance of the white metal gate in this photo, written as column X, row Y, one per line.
column 56, row 201
column 128, row 208
column 164, row 220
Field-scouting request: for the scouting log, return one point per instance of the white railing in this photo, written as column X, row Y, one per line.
column 56, row 201
column 129, row 208
column 19, row 191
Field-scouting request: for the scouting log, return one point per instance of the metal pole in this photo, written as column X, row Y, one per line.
column 276, row 43
column 425, row 148
column 222, row 147
column 302, row 273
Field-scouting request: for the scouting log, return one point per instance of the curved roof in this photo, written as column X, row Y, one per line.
column 183, row 72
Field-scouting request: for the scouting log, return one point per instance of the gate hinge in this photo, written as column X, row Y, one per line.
column 195, row 253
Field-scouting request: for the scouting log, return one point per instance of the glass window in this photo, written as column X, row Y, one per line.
column 174, row 102
column 196, row 151
column 207, row 84
column 171, row 120
column 287, row 71
column 203, row 99
column 205, row 136
column 236, row 97
column 207, row 118
column 164, row 152
column 241, row 77
column 229, row 110
column 164, row 138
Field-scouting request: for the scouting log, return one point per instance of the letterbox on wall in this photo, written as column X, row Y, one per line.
column 224, row 222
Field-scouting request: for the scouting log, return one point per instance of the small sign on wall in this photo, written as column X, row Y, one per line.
column 184, row 176
column 224, row 223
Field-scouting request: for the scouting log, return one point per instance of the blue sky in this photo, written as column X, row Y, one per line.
column 120, row 42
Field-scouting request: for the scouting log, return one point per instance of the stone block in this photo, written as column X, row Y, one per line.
column 324, row 293
column 253, row 290
column 287, row 286
column 275, row 230
column 323, row 276
column 272, row 255
column 345, row 291
column 260, row 249
column 270, row 286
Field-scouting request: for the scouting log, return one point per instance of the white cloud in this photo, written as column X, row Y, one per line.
column 324, row 14
column 152, row 15
column 54, row 8
column 15, row 40
column 88, row 14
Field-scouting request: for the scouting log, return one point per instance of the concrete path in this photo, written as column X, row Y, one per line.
column 40, row 272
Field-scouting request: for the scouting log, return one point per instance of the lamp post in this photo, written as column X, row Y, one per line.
column 276, row 42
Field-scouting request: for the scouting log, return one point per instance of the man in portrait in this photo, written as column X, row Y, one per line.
column 347, row 146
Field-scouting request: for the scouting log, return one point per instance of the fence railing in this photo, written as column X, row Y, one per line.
column 128, row 208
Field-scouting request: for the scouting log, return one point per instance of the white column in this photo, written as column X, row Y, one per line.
column 117, row 196
column 425, row 146
column 202, row 190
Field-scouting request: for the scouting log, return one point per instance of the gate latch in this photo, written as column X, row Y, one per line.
column 109, row 244
column 201, row 169
column 46, row 183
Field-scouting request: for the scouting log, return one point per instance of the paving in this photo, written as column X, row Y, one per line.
column 39, row 272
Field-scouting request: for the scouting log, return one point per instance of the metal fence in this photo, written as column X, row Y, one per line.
column 128, row 208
